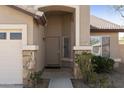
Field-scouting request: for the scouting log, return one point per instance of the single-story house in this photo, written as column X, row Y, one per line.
column 34, row 37
column 105, row 34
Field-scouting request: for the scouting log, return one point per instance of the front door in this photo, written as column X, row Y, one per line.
column 52, row 51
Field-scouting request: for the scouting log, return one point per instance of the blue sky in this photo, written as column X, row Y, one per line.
column 107, row 12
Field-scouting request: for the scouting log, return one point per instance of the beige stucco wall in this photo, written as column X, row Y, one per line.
column 38, row 35
column 121, row 51
column 11, row 16
column 54, row 25
column 84, row 25
column 114, row 44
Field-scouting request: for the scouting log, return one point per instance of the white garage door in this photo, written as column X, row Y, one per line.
column 10, row 57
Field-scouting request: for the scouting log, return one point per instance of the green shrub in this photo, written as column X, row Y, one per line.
column 103, row 64
column 86, row 67
column 91, row 65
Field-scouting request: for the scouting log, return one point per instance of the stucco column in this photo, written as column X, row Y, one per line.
column 82, row 34
column 77, row 26
column 84, row 25
column 82, row 28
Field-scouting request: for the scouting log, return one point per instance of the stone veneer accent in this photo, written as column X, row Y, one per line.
column 29, row 61
column 77, row 72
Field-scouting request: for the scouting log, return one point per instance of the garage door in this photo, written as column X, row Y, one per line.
column 10, row 57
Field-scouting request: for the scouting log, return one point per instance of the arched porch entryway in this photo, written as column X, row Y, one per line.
column 59, row 42
column 59, row 35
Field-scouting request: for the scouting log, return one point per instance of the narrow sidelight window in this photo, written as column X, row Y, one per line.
column 66, row 47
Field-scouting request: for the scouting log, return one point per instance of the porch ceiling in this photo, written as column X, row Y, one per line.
column 57, row 8
column 57, row 13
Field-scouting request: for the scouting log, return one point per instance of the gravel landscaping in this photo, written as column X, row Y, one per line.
column 77, row 83
column 118, row 79
column 44, row 83
column 115, row 78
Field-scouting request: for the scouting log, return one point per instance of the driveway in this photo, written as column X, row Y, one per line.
column 11, row 86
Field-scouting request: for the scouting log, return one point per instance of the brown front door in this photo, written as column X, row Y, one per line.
column 52, row 51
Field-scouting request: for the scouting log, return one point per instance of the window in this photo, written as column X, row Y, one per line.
column 101, row 45
column 106, row 46
column 96, row 44
column 16, row 36
column 121, row 37
column 66, row 47
column 2, row 35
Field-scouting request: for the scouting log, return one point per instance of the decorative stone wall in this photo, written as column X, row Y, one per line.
column 77, row 72
column 29, row 61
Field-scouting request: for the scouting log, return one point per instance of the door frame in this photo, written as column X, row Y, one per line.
column 59, row 56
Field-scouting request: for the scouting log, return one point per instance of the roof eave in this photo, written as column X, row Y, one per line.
column 40, row 19
column 107, row 30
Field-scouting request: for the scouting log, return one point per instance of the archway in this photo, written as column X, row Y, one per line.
column 59, row 35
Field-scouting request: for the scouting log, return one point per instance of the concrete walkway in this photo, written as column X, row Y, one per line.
column 59, row 78
column 60, row 83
